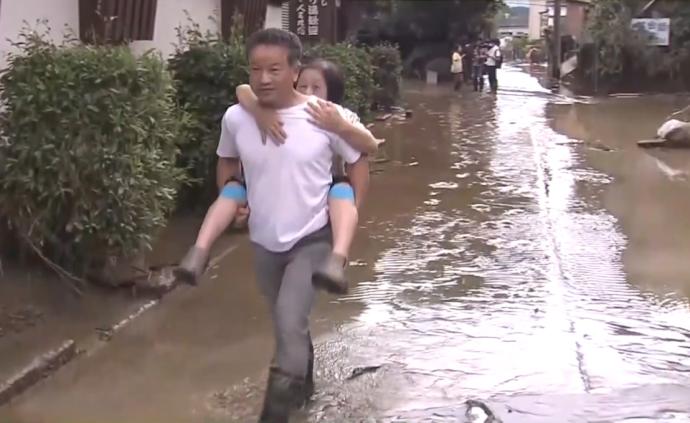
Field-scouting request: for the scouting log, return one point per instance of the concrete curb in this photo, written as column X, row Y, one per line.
column 41, row 367
column 46, row 364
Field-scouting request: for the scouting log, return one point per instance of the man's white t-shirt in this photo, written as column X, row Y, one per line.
column 493, row 55
column 287, row 185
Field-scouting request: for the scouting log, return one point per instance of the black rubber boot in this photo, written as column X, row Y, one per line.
column 309, row 385
column 284, row 394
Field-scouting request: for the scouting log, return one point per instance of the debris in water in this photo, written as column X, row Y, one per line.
column 478, row 412
column 360, row 371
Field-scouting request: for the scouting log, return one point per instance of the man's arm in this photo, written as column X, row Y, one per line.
column 358, row 172
column 228, row 154
column 225, row 169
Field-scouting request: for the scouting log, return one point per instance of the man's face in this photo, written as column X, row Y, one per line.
column 271, row 76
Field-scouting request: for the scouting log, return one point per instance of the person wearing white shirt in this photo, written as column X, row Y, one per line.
column 287, row 190
column 456, row 67
column 493, row 61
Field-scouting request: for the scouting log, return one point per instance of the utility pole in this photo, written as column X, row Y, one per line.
column 557, row 39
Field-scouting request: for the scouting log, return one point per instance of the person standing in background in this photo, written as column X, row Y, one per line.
column 493, row 62
column 478, row 62
column 456, row 67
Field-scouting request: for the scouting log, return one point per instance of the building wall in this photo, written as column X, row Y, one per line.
column 13, row 13
column 62, row 13
column 274, row 17
column 173, row 13
column 575, row 21
column 534, row 23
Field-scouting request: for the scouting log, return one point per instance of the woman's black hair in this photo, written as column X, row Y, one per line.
column 335, row 80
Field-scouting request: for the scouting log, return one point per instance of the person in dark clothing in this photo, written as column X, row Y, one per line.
column 478, row 61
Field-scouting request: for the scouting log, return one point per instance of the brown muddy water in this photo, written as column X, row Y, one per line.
column 508, row 285
column 517, row 250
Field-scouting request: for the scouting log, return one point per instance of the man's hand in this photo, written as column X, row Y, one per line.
column 270, row 125
column 326, row 116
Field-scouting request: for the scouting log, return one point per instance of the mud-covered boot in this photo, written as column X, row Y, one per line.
column 330, row 276
column 309, row 385
column 192, row 266
column 284, row 394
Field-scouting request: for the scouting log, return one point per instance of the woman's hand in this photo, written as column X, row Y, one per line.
column 270, row 125
column 326, row 116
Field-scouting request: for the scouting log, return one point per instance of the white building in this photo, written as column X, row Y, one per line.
column 64, row 15
column 536, row 9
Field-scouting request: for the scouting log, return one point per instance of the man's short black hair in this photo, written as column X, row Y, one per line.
column 277, row 37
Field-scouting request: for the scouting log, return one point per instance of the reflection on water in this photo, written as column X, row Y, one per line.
column 508, row 286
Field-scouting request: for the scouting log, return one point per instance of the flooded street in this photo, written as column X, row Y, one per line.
column 508, row 285
column 517, row 251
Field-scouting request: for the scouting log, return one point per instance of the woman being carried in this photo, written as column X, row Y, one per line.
column 324, row 80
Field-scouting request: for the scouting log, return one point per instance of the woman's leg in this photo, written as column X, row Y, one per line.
column 344, row 217
column 219, row 216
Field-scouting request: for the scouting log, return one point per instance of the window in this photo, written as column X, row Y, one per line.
column 116, row 21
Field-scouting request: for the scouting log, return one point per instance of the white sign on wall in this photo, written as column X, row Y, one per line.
column 659, row 30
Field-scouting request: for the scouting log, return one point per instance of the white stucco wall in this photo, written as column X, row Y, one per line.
column 13, row 13
column 535, row 19
column 171, row 14
column 59, row 13
column 274, row 17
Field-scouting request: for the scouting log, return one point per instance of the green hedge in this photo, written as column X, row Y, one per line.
column 205, row 71
column 89, row 145
column 387, row 73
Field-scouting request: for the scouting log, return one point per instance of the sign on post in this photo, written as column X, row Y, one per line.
column 659, row 30
column 313, row 20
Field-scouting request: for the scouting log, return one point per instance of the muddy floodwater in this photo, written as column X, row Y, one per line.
column 518, row 251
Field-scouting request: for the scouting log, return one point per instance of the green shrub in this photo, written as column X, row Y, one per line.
column 387, row 73
column 89, row 144
column 205, row 71
column 357, row 67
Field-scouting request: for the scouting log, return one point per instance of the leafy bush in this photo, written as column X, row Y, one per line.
column 88, row 150
column 623, row 51
column 205, row 71
column 609, row 25
column 357, row 66
column 387, row 74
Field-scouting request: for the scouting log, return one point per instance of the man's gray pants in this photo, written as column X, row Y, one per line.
column 285, row 279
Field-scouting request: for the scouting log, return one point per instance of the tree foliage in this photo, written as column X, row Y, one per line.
column 205, row 69
column 624, row 51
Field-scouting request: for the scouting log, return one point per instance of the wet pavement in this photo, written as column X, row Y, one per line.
column 518, row 251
